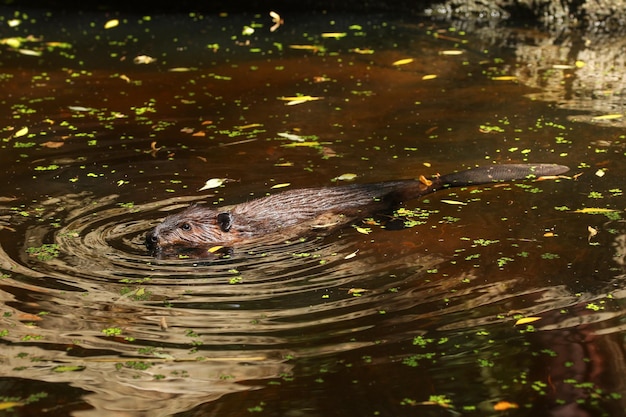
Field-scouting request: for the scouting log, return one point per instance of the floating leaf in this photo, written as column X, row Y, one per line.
column 594, row 210
column 111, row 23
column 364, row 230
column 212, row 183
column 362, row 51
column 277, row 20
column 452, row 52
column 283, row 185
column 291, row 136
column 21, row 132
column 79, row 108
column 351, row 255
column 68, row 368
column 592, row 232
column 14, row 22
column 403, row 61
column 308, row 47
column 29, row 52
column 429, row 77
column 504, row 78
column 293, row 100
column 11, row 42
column 454, row 202
column 336, row 35
column 608, row 116
column 5, row 405
column 143, row 59
column 504, row 405
column 181, row 69
column 526, row 320
column 214, row 249
column 53, row 145
column 600, row 173
column 346, row 177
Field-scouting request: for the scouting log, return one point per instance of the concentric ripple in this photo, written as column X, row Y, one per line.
column 101, row 294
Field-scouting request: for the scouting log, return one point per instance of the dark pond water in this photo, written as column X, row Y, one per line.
column 498, row 300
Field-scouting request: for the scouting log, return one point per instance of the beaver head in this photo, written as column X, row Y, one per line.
column 191, row 228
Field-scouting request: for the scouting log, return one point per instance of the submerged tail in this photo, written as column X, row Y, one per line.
column 496, row 173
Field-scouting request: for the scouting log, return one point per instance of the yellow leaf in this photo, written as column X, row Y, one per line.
column 526, row 320
column 451, row 52
column 608, row 116
column 594, row 210
column 214, row 249
column 364, row 230
column 111, row 23
column 4, row 405
column 335, row 35
column 212, row 183
column 504, row 78
column 403, row 61
column 346, row 177
column 21, row 132
column 429, row 77
column 283, row 185
column 454, row 202
column 291, row 101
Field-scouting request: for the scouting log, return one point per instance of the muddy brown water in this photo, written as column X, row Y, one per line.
column 97, row 147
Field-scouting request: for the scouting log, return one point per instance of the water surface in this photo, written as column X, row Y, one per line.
column 106, row 128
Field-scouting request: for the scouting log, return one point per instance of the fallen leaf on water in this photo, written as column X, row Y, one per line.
column 454, row 202
column 351, row 255
column 29, row 52
column 504, row 78
column 111, row 23
column 277, row 20
column 21, row 132
column 403, row 61
column 143, row 59
column 425, row 181
column 4, row 405
column 283, row 185
column 291, row 136
column 214, row 249
column 362, row 51
column 212, row 183
column 53, row 145
column 594, row 210
column 336, row 35
column 346, row 177
column 68, row 368
column 357, row 291
column 592, row 232
column 364, row 230
column 600, row 173
column 608, row 116
column 452, row 52
column 504, row 405
column 291, row 101
column 429, row 77
column 526, row 320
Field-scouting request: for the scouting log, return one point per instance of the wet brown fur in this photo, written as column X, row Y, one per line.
column 297, row 212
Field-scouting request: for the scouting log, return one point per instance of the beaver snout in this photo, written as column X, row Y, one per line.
column 152, row 241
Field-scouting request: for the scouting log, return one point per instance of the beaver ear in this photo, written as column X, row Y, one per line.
column 225, row 221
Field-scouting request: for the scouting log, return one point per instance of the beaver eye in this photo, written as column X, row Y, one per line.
column 185, row 226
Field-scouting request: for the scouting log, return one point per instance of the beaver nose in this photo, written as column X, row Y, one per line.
column 152, row 240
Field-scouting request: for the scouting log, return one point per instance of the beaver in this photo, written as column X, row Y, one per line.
column 295, row 213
